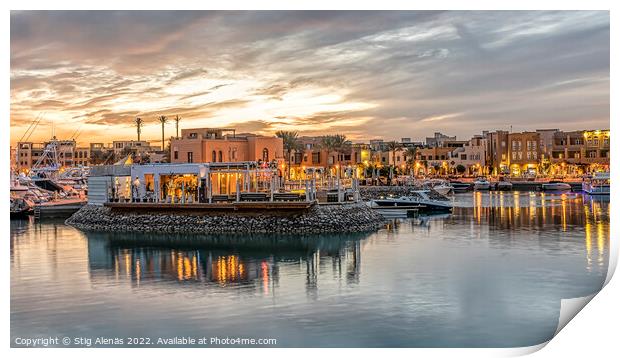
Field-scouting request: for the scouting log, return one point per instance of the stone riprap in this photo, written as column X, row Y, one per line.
column 337, row 218
column 380, row 192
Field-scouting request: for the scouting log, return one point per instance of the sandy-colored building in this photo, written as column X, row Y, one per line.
column 216, row 145
column 523, row 153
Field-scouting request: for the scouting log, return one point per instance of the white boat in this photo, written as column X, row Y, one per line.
column 482, row 184
column 443, row 187
column 419, row 202
column 597, row 185
column 556, row 186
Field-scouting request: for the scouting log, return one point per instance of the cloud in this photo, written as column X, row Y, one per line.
column 363, row 73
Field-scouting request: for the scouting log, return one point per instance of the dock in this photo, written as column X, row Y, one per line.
column 58, row 208
column 210, row 207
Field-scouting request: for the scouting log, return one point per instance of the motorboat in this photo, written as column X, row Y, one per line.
column 459, row 187
column 503, row 185
column 443, row 187
column 20, row 206
column 556, row 186
column 482, row 184
column 597, row 185
column 419, row 201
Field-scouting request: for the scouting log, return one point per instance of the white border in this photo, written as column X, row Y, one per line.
column 592, row 332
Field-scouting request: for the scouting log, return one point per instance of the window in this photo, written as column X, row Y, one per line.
column 463, row 156
column 213, row 157
column 265, row 155
column 596, row 142
column 176, row 154
column 219, row 156
column 316, row 158
column 190, row 157
column 514, row 155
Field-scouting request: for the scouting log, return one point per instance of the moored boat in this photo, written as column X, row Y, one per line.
column 419, row 202
column 556, row 186
column 599, row 184
column 503, row 185
column 458, row 186
column 482, row 184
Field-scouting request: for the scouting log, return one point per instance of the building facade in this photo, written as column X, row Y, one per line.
column 217, row 145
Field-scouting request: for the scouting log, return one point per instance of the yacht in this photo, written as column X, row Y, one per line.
column 597, row 185
column 503, row 185
column 556, row 186
column 419, row 201
column 482, row 184
column 458, row 186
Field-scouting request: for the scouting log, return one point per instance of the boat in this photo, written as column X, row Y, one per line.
column 20, row 206
column 482, row 184
column 598, row 184
column 442, row 187
column 459, row 187
column 556, row 186
column 503, row 185
column 59, row 207
column 419, row 202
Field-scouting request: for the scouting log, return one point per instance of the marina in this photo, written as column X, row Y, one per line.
column 305, row 289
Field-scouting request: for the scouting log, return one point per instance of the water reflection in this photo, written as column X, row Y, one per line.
column 489, row 275
column 224, row 260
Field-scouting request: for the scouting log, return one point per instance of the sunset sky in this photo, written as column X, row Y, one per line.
column 388, row 74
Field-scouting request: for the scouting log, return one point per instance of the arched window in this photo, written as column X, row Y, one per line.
column 219, row 154
column 213, row 157
column 265, row 155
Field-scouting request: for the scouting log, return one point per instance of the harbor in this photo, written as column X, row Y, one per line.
column 286, row 285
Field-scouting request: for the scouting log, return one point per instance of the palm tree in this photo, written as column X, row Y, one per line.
column 177, row 119
column 139, row 126
column 291, row 143
column 410, row 154
column 335, row 143
column 393, row 146
column 163, row 120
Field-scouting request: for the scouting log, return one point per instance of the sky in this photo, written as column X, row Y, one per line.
column 368, row 74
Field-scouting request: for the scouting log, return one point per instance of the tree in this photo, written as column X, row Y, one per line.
column 460, row 169
column 177, row 119
column 139, row 126
column 335, row 143
column 393, row 146
column 163, row 120
column 291, row 143
column 410, row 155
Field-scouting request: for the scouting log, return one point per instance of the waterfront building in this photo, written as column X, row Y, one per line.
column 217, row 145
column 179, row 183
column 472, row 156
column 442, row 140
column 137, row 147
column 434, row 160
column 523, row 153
column 579, row 152
column 82, row 156
column 497, row 152
column 30, row 153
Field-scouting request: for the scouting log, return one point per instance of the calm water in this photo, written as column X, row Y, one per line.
column 489, row 275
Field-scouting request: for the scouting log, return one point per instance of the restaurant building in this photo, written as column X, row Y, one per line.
column 218, row 145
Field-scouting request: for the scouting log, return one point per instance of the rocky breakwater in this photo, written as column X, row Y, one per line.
column 380, row 192
column 336, row 218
